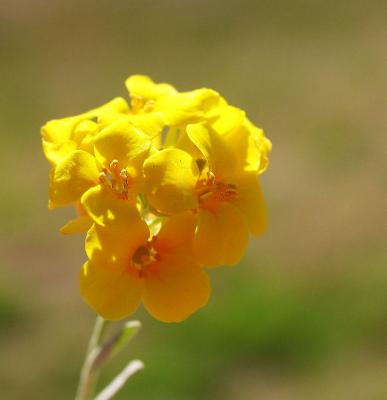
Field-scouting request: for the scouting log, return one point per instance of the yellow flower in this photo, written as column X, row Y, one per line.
column 187, row 107
column 164, row 188
column 104, row 183
column 151, row 123
column 215, row 177
column 144, row 93
column 127, row 267
column 62, row 136
column 178, row 108
column 144, row 112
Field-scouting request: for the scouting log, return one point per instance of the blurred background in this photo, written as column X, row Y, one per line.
column 305, row 314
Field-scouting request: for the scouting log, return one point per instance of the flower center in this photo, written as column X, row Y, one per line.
column 116, row 178
column 212, row 192
column 144, row 256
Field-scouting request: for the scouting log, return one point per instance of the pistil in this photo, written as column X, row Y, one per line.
column 144, row 256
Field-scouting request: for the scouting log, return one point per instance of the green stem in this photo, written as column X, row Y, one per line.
column 88, row 372
column 97, row 334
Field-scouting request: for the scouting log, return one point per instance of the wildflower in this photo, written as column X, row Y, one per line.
column 178, row 108
column 144, row 93
column 127, row 266
column 104, row 184
column 164, row 187
column 215, row 178
column 62, row 136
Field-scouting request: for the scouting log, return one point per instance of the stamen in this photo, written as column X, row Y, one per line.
column 114, row 165
column 211, row 177
column 118, row 179
column 102, row 177
column 211, row 192
column 124, row 174
column 144, row 256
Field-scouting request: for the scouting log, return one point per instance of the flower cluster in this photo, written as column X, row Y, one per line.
column 164, row 188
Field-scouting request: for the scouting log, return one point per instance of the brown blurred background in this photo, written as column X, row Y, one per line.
column 305, row 314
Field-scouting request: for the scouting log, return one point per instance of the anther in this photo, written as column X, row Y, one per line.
column 102, row 177
column 114, row 164
column 124, row 174
column 211, row 177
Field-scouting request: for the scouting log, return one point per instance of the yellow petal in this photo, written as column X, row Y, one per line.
column 118, row 104
column 61, row 136
column 202, row 139
column 221, row 236
column 55, row 152
column 177, row 232
column 226, row 119
column 188, row 107
column 115, row 246
column 251, row 203
column 71, row 177
column 57, row 138
column 251, row 147
column 120, row 141
column 60, row 130
column 185, row 143
column 143, row 86
column 78, row 225
column 170, row 179
column 207, row 246
column 150, row 123
column 113, row 293
column 84, row 134
column 216, row 151
column 104, row 206
column 177, row 288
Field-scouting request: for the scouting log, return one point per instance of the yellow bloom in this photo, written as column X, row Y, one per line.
column 144, row 93
column 164, row 187
column 187, row 107
column 62, row 136
column 128, row 266
column 215, row 178
column 144, row 112
column 151, row 123
column 178, row 108
column 104, row 183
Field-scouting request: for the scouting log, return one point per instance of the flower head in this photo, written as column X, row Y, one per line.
column 165, row 187
column 214, row 177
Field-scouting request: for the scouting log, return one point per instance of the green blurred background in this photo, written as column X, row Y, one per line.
column 305, row 314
